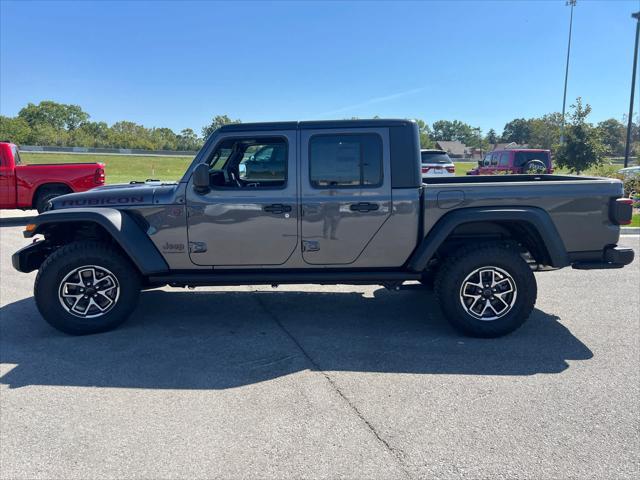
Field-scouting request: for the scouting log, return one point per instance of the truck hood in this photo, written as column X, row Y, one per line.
column 118, row 195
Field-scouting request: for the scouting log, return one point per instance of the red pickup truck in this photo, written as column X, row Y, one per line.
column 33, row 186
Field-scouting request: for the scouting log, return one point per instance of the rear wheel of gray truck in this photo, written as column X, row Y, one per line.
column 86, row 287
column 486, row 290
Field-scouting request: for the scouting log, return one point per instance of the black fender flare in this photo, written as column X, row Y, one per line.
column 124, row 230
column 536, row 217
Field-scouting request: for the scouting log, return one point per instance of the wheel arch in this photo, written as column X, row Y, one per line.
column 530, row 226
column 43, row 187
column 61, row 227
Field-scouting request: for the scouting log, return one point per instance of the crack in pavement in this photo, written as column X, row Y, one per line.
column 395, row 453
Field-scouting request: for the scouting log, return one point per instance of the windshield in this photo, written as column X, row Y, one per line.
column 435, row 157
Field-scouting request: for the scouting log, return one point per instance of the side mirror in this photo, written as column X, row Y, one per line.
column 201, row 178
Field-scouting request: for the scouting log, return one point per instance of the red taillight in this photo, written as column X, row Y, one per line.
column 424, row 170
column 99, row 176
column 451, row 169
column 622, row 211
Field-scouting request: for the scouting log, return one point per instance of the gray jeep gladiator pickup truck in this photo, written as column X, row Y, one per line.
column 326, row 203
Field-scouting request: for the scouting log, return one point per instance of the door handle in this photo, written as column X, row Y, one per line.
column 364, row 207
column 277, row 208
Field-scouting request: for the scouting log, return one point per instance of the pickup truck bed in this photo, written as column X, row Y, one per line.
column 578, row 206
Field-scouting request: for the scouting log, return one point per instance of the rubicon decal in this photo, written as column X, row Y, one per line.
column 81, row 202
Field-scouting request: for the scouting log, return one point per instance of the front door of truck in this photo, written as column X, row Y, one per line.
column 345, row 192
column 7, row 181
column 249, row 214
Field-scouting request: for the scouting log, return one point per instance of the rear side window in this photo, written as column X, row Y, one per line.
column 345, row 160
column 524, row 157
column 431, row 157
column 16, row 155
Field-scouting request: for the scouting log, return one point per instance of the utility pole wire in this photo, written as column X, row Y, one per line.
column 627, row 148
column 572, row 3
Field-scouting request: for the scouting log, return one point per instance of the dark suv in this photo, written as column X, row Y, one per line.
column 514, row 161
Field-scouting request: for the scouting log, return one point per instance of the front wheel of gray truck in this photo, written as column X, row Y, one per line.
column 486, row 290
column 86, row 287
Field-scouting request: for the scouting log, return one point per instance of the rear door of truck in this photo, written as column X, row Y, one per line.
column 345, row 185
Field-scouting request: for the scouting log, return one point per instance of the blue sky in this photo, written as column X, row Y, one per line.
column 177, row 64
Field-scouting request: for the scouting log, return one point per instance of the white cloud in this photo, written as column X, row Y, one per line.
column 373, row 101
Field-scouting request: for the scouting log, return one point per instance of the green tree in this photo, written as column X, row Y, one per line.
column 46, row 135
column 56, row 115
column 544, row 132
column 188, row 140
column 15, row 130
column 126, row 134
column 447, row 130
column 613, row 134
column 74, row 117
column 425, row 134
column 217, row 122
column 635, row 136
column 90, row 134
column 164, row 139
column 492, row 137
column 583, row 147
column 518, row 130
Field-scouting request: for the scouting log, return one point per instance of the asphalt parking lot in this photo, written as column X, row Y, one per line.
column 326, row 382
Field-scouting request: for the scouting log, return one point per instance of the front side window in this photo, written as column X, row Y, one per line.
column 504, row 159
column 249, row 163
column 345, row 160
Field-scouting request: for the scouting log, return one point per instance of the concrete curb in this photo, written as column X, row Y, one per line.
column 630, row 231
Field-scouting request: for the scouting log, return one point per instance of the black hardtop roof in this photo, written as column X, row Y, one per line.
column 520, row 150
column 315, row 124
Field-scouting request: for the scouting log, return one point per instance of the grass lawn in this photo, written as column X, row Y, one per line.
column 463, row 167
column 635, row 220
column 120, row 168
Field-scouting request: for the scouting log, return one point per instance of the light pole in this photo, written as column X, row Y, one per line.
column 627, row 147
column 571, row 3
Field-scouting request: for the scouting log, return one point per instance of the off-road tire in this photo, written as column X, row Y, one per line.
column 44, row 197
column 66, row 260
column 535, row 167
column 455, row 271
